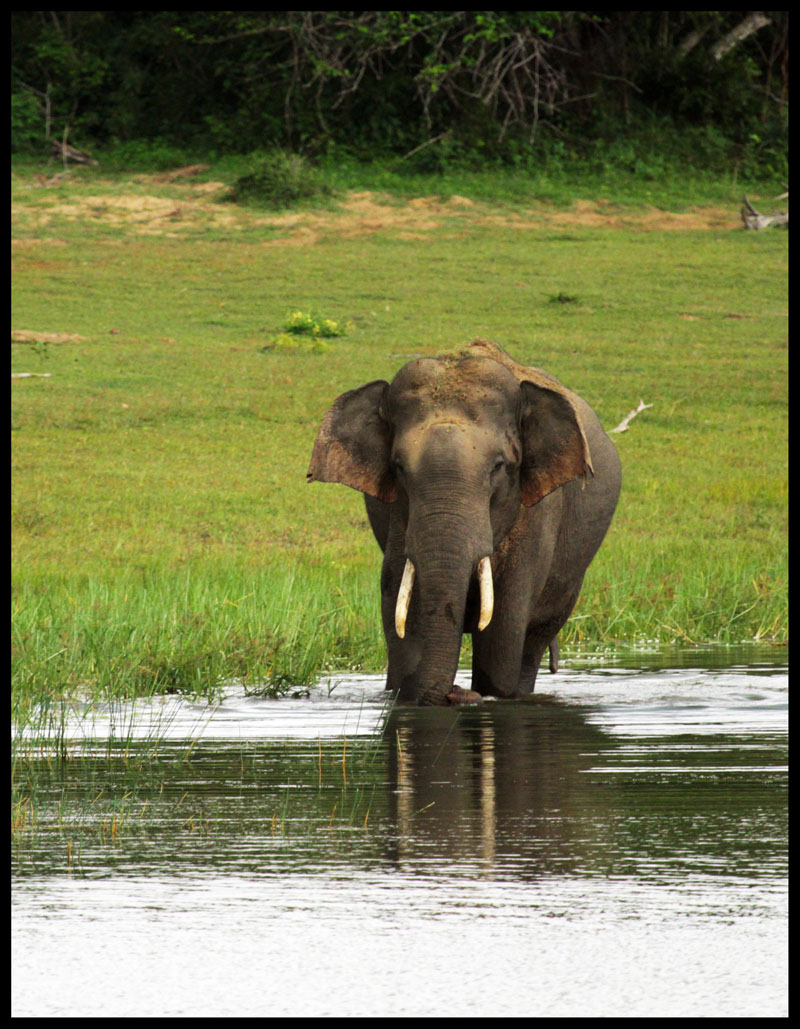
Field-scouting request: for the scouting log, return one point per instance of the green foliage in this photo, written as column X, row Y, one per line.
column 26, row 122
column 521, row 87
column 144, row 155
column 61, row 60
column 278, row 180
column 301, row 323
column 306, row 331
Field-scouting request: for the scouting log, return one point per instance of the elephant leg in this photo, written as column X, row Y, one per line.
column 404, row 654
column 540, row 637
column 497, row 654
column 533, row 652
column 507, row 654
column 403, row 670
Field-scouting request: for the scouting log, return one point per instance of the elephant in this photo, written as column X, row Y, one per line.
column 489, row 487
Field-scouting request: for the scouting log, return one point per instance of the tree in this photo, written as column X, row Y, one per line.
column 486, row 81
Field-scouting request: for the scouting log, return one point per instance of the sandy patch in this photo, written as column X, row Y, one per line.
column 142, row 213
column 361, row 214
column 598, row 215
column 192, row 206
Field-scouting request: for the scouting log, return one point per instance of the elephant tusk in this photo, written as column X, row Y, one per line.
column 403, row 598
column 487, row 592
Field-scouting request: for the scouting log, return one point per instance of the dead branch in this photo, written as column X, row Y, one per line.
column 625, row 423
column 754, row 21
column 753, row 220
column 422, row 146
column 31, row 375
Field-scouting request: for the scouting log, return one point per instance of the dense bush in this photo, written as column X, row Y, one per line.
column 442, row 86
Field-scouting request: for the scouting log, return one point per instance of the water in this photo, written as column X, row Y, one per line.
column 614, row 847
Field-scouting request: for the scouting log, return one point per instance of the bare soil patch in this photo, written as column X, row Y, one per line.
column 188, row 206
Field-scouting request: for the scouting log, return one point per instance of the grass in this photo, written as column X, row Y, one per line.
column 164, row 537
column 185, row 630
column 272, row 179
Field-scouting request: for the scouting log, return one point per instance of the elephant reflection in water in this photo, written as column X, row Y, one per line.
column 489, row 487
column 502, row 784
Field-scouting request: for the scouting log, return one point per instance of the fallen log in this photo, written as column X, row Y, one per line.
column 753, row 220
column 27, row 336
column 64, row 152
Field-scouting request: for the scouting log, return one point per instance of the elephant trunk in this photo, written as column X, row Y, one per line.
column 441, row 565
column 485, row 584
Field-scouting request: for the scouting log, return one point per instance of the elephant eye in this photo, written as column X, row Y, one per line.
column 498, row 465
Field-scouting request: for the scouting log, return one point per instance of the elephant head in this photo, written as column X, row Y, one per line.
column 455, row 447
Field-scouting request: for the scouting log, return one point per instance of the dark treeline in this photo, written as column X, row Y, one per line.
column 486, row 85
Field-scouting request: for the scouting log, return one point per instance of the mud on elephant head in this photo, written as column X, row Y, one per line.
column 489, row 487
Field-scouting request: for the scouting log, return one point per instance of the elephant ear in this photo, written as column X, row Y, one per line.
column 353, row 444
column 554, row 448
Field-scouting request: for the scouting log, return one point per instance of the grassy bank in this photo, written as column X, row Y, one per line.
column 164, row 536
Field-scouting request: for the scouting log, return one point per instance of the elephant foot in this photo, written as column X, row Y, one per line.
column 459, row 696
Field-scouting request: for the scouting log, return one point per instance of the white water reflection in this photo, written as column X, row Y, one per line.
column 385, row 944
column 675, row 700
column 338, row 706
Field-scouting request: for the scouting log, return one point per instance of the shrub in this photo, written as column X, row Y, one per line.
column 279, row 179
column 299, row 323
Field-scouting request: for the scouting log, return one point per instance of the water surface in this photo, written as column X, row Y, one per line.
column 614, row 847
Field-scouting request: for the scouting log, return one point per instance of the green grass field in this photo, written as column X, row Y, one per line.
column 164, row 536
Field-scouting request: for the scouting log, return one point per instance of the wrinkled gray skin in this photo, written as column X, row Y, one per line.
column 460, row 458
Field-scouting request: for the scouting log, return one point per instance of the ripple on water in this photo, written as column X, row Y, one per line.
column 615, row 847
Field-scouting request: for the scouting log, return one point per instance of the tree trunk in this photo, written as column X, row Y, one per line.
column 752, row 23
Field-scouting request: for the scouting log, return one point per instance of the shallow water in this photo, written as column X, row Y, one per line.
column 614, row 847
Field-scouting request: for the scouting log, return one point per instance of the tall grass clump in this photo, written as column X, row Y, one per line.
column 665, row 599
column 190, row 632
